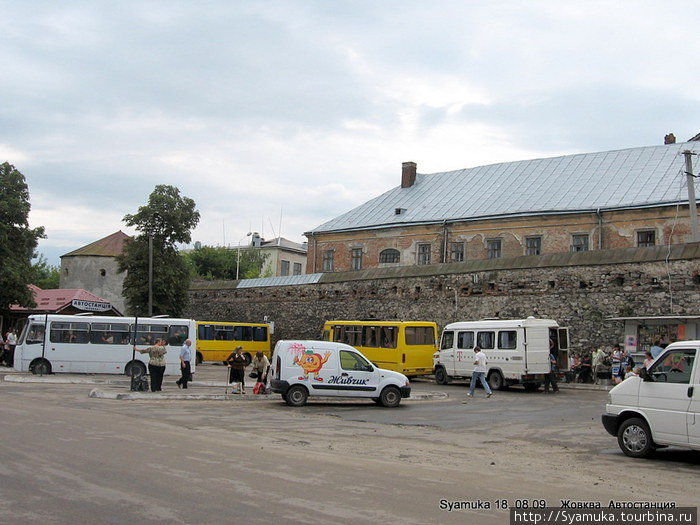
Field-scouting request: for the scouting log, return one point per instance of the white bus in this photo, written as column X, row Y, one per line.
column 517, row 351
column 98, row 345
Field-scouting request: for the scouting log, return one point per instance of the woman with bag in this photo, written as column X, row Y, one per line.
column 236, row 362
column 261, row 365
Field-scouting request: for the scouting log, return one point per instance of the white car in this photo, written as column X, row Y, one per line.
column 321, row 368
column 661, row 406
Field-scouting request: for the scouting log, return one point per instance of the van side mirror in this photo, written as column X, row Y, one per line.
column 644, row 374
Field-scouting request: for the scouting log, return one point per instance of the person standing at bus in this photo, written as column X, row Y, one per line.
column 236, row 362
column 185, row 360
column 11, row 344
column 156, row 363
column 479, row 373
column 551, row 378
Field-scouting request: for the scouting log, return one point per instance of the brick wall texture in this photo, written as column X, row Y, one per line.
column 580, row 290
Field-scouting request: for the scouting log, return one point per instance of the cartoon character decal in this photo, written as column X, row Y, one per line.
column 311, row 363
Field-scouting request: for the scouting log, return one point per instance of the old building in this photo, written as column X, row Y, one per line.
column 590, row 201
column 94, row 268
column 284, row 257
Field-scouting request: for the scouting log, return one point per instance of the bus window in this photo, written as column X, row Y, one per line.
column 485, row 340
column 205, row 332
column 507, row 339
column 353, row 335
column 370, row 338
column 465, row 340
column 35, row 334
column 109, row 334
column 448, row 340
column 177, row 335
column 69, row 333
column 388, row 336
column 420, row 335
column 259, row 333
column 148, row 333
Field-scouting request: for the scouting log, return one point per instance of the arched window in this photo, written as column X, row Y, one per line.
column 389, row 256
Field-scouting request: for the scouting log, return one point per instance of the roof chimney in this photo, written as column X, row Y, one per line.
column 408, row 174
column 670, row 139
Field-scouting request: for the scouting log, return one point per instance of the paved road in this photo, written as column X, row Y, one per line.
column 67, row 458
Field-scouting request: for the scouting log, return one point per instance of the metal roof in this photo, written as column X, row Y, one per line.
column 109, row 246
column 289, row 280
column 628, row 178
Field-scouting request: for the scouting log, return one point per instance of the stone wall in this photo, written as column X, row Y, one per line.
column 580, row 290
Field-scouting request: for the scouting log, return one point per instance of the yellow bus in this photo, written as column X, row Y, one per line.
column 402, row 346
column 216, row 340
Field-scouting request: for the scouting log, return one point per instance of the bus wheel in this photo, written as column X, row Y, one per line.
column 441, row 376
column 199, row 358
column 634, row 438
column 496, row 381
column 40, row 367
column 296, row 396
column 390, row 397
column 138, row 367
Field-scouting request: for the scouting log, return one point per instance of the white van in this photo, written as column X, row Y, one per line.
column 321, row 368
column 517, row 351
column 659, row 407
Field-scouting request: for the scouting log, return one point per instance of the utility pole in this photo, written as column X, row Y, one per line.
column 150, row 275
column 690, row 178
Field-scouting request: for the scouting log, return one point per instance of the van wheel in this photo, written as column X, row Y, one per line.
column 297, row 396
column 634, row 438
column 496, row 381
column 138, row 367
column 40, row 367
column 441, row 376
column 390, row 397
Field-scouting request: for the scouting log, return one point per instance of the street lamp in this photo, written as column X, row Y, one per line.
column 238, row 262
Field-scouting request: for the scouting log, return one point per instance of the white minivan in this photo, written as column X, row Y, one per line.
column 321, row 368
column 659, row 407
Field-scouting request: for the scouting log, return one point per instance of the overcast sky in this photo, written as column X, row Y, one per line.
column 302, row 110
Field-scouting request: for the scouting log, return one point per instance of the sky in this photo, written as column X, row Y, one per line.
column 277, row 116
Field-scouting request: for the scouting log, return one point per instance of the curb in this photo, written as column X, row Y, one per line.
column 130, row 396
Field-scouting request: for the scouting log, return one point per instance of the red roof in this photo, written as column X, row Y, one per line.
column 57, row 299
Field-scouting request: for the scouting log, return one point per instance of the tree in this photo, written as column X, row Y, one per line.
column 168, row 218
column 208, row 262
column 17, row 240
column 44, row 275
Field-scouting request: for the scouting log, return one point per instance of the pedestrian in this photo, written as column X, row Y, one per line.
column 11, row 341
column 261, row 364
column 156, row 363
column 626, row 365
column 656, row 349
column 185, row 360
column 551, row 377
column 236, row 362
column 597, row 359
column 479, row 373
column 616, row 357
column 648, row 359
column 3, row 350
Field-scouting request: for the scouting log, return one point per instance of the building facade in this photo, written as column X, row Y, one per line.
column 94, row 268
column 596, row 201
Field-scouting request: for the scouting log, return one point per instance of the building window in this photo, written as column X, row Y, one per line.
column 356, row 259
column 579, row 242
column 493, row 248
column 389, row 256
column 533, row 245
column 328, row 261
column 284, row 268
column 103, row 272
column 297, row 268
column 457, row 252
column 646, row 238
column 423, row 254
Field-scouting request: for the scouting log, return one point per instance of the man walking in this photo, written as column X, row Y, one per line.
column 479, row 373
column 185, row 360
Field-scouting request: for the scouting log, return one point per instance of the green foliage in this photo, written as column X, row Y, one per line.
column 17, row 240
column 208, row 262
column 168, row 218
column 44, row 275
